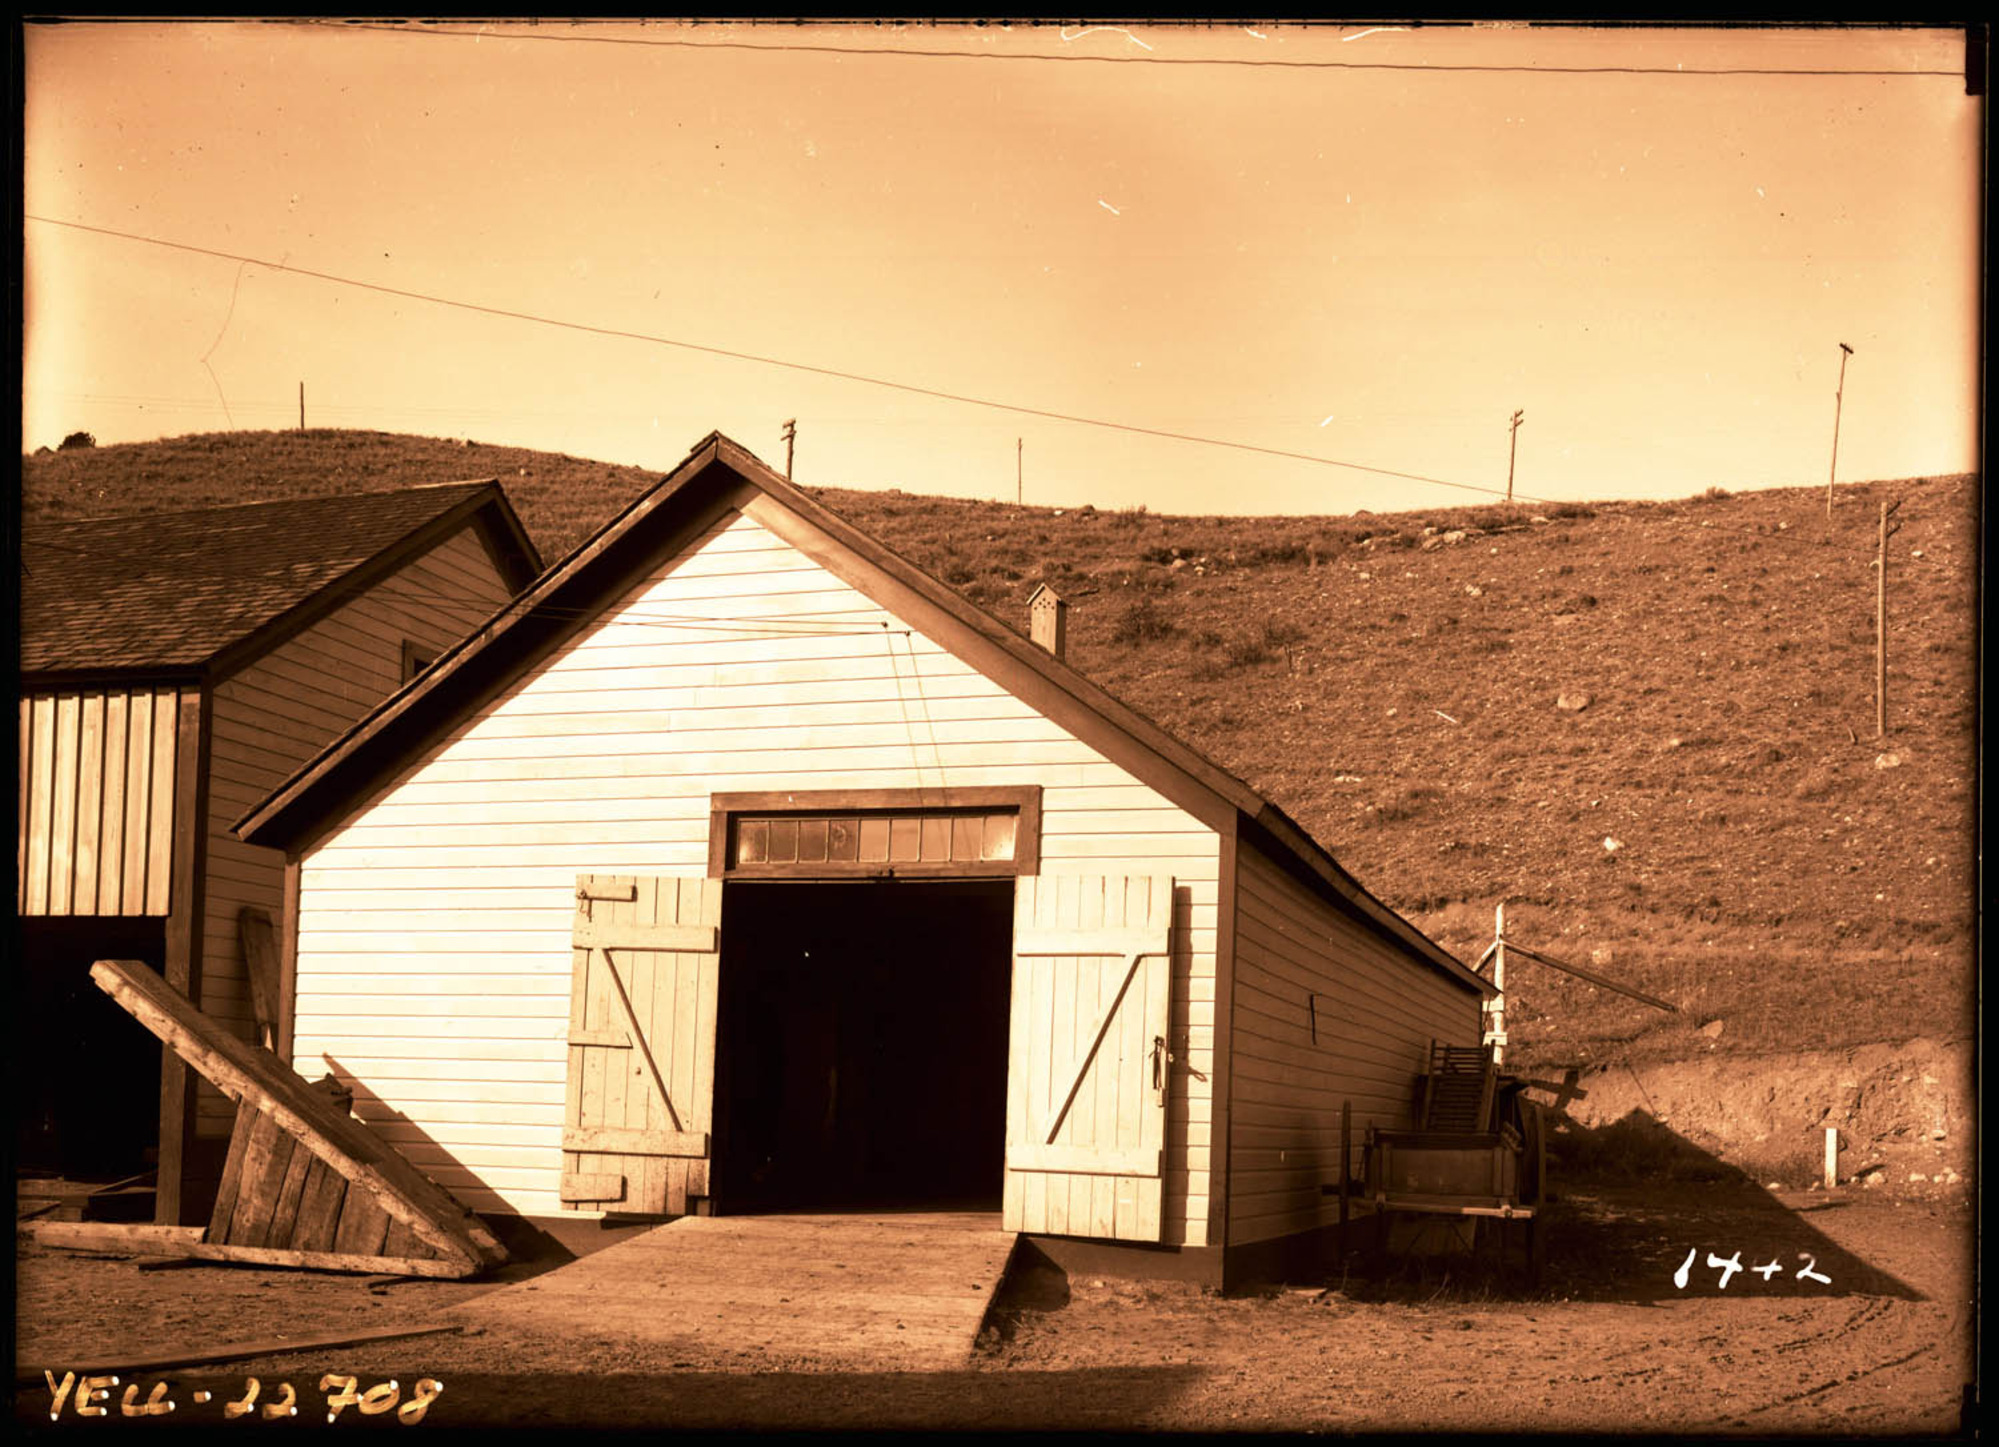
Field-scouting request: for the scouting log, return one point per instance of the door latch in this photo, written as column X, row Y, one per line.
column 1161, row 1058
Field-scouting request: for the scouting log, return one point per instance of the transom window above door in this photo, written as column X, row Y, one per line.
column 904, row 833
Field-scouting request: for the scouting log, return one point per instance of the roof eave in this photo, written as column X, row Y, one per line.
column 358, row 579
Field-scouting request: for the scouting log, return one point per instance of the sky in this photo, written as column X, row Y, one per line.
column 1366, row 248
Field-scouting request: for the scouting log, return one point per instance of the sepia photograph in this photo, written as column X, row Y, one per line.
column 999, row 726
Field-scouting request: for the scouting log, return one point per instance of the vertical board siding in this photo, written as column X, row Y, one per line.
column 95, row 823
column 284, row 707
column 1377, row 1010
column 443, row 905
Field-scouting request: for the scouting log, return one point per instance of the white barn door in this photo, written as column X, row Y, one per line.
column 1089, row 1063
column 640, row 1102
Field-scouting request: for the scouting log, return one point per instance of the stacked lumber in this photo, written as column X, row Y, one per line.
column 305, row 1184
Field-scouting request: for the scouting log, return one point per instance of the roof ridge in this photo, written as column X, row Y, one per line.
column 45, row 520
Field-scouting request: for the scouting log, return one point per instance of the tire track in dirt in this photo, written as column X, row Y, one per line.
column 1849, row 1379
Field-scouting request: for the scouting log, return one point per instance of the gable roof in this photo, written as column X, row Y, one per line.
column 209, row 588
column 719, row 476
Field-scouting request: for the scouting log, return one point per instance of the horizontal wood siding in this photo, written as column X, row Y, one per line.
column 94, row 822
column 1377, row 1010
column 282, row 709
column 434, row 954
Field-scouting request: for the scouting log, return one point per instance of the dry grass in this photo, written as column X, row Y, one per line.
column 1396, row 694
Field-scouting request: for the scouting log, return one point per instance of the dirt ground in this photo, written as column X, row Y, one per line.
column 1607, row 1342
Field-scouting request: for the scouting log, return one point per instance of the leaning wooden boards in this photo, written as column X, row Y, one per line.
column 305, row 1183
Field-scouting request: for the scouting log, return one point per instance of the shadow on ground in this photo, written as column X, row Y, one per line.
column 1629, row 1202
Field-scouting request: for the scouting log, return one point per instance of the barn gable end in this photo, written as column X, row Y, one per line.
column 433, row 954
column 728, row 645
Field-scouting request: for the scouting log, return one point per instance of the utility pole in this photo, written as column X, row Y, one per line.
column 790, row 432
column 1512, row 442
column 1019, row 485
column 1881, row 620
column 1837, row 397
column 301, row 406
column 1495, row 1012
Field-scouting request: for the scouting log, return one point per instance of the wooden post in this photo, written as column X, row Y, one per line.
column 301, row 406
column 1019, row 472
column 183, row 948
column 790, row 435
column 1495, row 1032
column 1881, row 620
column 1831, row 1157
column 1844, row 352
column 1512, row 442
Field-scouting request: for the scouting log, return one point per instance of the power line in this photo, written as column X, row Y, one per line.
column 655, row 340
column 1245, row 62
column 962, row 398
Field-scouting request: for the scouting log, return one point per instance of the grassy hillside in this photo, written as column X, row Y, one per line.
column 1392, row 682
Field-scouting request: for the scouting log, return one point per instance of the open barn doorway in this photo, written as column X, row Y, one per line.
column 88, row 1107
column 862, row 1045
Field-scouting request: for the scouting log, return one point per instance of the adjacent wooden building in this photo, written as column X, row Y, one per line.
column 740, row 865
column 175, row 667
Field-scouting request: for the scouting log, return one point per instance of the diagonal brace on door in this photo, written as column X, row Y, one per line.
column 603, row 952
column 1134, row 945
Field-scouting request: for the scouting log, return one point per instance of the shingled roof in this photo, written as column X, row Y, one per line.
column 182, row 590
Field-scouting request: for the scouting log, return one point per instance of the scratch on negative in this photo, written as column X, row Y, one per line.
column 1378, row 30
column 1114, row 29
column 1108, row 207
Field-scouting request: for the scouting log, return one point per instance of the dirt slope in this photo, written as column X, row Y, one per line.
column 1716, row 824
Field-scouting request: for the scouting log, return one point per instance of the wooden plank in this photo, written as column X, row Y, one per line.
column 291, row 1191
column 260, row 962
column 265, row 1157
column 707, row 975
column 599, row 889
column 188, row 1356
column 248, row 1074
column 138, row 802
column 89, row 803
column 320, row 1199
column 288, row 963
column 596, row 1187
column 363, row 1227
column 162, row 816
column 137, row 1238
column 623, row 1141
column 596, row 935
column 1057, row 940
column 608, row 1039
column 62, row 818
column 1087, row 1160
column 232, row 1175
column 111, row 831
column 401, row 1243
column 678, row 1000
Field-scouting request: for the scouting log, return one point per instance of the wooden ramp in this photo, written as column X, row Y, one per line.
column 306, row 1184
column 872, row 1292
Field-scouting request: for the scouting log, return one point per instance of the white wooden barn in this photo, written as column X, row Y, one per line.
column 739, row 865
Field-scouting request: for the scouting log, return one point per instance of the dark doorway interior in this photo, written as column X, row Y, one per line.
column 862, row 1045
column 89, row 1073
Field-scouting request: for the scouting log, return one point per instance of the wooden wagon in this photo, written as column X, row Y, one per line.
column 1479, row 1153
